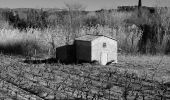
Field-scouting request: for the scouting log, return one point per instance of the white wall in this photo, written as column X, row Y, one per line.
column 111, row 49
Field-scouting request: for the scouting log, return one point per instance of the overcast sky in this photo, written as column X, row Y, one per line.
column 90, row 4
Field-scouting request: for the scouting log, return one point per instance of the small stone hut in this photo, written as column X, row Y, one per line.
column 98, row 48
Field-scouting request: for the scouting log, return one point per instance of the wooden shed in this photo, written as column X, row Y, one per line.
column 96, row 48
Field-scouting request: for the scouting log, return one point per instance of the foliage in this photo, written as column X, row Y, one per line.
column 153, row 29
column 30, row 42
column 138, row 31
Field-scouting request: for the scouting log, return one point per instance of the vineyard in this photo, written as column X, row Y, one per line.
column 123, row 81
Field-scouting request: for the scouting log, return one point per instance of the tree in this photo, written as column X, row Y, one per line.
column 73, row 20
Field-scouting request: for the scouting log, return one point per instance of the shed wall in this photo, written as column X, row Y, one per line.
column 61, row 53
column 83, row 50
column 98, row 49
column 66, row 53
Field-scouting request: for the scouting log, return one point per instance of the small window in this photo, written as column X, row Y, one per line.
column 104, row 45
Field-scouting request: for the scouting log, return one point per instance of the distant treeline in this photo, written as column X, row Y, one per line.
column 23, row 18
column 133, row 8
column 28, row 18
column 42, row 18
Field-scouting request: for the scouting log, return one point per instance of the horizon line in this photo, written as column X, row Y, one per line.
column 83, row 10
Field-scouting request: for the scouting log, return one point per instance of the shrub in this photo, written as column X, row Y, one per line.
column 30, row 42
column 154, row 27
column 136, row 32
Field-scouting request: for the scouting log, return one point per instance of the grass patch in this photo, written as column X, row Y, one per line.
column 30, row 42
column 157, row 65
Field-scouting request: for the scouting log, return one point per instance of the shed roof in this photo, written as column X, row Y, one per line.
column 91, row 37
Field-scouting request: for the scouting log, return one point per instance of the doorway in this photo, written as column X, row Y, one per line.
column 104, row 58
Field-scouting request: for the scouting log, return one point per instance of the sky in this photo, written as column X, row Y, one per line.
column 90, row 5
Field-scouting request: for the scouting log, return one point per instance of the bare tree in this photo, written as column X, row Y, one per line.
column 74, row 19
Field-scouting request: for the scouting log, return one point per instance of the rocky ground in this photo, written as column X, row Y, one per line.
column 22, row 81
